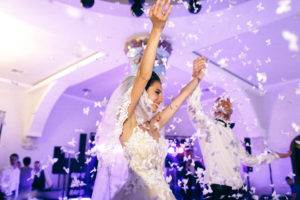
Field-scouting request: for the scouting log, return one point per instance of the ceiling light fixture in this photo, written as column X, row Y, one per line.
column 82, row 63
column 194, row 6
column 87, row 3
column 137, row 7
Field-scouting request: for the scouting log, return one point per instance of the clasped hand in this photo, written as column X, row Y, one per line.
column 199, row 67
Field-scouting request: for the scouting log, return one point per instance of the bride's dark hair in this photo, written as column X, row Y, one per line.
column 154, row 77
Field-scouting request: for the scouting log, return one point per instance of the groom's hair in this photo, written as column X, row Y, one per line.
column 154, row 77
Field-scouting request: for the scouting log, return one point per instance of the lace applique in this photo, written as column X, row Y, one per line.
column 146, row 158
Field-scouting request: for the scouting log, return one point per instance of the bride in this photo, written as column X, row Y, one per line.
column 131, row 149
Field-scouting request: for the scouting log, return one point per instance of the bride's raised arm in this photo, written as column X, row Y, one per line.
column 198, row 73
column 158, row 14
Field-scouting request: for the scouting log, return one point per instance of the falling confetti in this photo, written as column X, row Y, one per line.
column 67, row 170
column 86, row 110
column 260, row 7
column 169, row 179
column 295, row 127
column 268, row 60
column 292, row 40
column 261, row 77
column 280, row 97
column 170, row 24
column 72, row 142
column 223, row 62
column 268, row 42
column 77, row 183
column 298, row 89
column 283, row 6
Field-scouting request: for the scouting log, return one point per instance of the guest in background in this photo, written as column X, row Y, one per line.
column 41, row 180
column 25, row 179
column 19, row 165
column 9, row 178
column 189, row 167
column 294, row 188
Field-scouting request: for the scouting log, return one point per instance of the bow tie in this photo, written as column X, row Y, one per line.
column 231, row 125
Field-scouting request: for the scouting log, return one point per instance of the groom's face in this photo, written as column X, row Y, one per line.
column 225, row 106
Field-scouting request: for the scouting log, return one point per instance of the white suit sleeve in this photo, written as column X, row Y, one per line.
column 195, row 111
column 251, row 160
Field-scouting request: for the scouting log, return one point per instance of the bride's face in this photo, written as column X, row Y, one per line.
column 155, row 94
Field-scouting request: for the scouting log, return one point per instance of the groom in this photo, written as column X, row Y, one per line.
column 222, row 152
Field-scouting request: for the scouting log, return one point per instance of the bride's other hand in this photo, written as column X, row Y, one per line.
column 159, row 13
column 199, row 67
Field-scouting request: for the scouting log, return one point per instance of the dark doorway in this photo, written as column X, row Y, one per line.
column 295, row 147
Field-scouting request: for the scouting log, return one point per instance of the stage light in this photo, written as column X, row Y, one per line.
column 194, row 6
column 180, row 150
column 171, row 150
column 87, row 3
column 137, row 7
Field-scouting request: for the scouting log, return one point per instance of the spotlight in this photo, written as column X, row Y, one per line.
column 194, row 6
column 87, row 3
column 180, row 150
column 171, row 150
column 137, row 7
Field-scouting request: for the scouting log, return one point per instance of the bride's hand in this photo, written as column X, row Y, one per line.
column 199, row 67
column 159, row 13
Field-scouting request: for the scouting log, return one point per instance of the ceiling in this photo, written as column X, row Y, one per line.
column 40, row 39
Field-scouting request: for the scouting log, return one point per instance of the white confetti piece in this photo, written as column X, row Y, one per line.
column 295, row 127
column 280, row 97
column 88, row 160
column 169, row 179
column 268, row 42
column 67, row 170
column 86, row 110
column 72, row 142
column 216, row 53
column 298, row 89
column 261, row 77
column 260, row 7
column 223, row 62
column 292, row 40
column 93, row 170
column 242, row 55
column 97, row 104
column 77, row 183
column 283, row 6
column 146, row 25
column 268, row 60
column 170, row 24
column 249, row 24
column 52, row 160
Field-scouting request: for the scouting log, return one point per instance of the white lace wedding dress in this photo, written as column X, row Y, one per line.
column 141, row 154
column 146, row 158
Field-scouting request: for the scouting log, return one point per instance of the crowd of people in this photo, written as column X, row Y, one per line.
column 21, row 182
